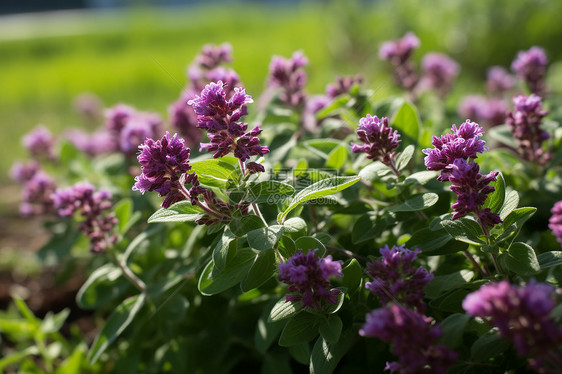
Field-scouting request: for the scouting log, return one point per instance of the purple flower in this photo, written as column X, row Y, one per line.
column 117, row 117
column 530, row 67
column 22, row 172
column 97, row 143
column 521, row 314
column 220, row 116
column 184, row 119
column 36, row 195
column 307, row 277
column 39, row 142
column 412, row 337
column 399, row 51
column 396, row 279
column 379, row 138
column 555, row 221
column 290, row 77
column 97, row 223
column 525, row 123
column 136, row 130
column 472, row 189
column 212, row 55
column 463, row 143
column 342, row 85
column 89, row 105
column 439, row 72
column 491, row 111
column 499, row 80
column 162, row 163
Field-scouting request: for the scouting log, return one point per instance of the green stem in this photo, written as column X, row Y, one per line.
column 128, row 273
column 475, row 263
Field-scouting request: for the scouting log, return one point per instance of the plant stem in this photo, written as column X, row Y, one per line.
column 475, row 264
column 128, row 273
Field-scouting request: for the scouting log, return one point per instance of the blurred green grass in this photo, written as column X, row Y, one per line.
column 139, row 56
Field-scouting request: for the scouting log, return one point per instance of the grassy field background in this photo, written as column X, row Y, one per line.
column 139, row 56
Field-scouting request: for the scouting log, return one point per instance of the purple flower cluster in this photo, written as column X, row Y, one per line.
column 396, row 279
column 380, row 140
column 499, row 80
column 289, row 75
column 398, row 53
column 36, row 194
column 451, row 155
column 530, row 67
column 307, row 276
column 555, row 221
column 205, row 68
column 521, row 314
column 163, row 162
column 39, row 142
column 92, row 205
column 130, row 128
column 525, row 121
column 490, row 111
column 98, row 143
column 89, row 105
column 439, row 73
column 342, row 85
column 220, row 117
column 413, row 340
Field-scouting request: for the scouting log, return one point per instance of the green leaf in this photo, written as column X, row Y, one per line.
column 241, row 226
column 322, row 147
column 212, row 281
column 421, row 177
column 325, row 356
column 266, row 329
column 443, row 283
column 495, row 200
column 284, row 309
column 511, row 226
column 487, row 346
column 270, row 192
column 466, row 230
column 225, row 250
column 510, row 202
column 25, row 311
column 453, row 329
column 300, row 352
column 337, row 157
column 74, row 363
column 407, row 122
column 287, row 247
column 17, row 357
column 117, row 322
column 366, row 229
column 295, row 224
column 216, row 172
column 330, row 329
column 265, row 238
column 521, row 259
column 502, row 134
column 319, row 189
column 59, row 246
column 452, row 301
column 103, row 285
column 333, row 308
column 53, row 322
column 123, row 212
column 550, row 259
column 309, row 243
column 404, row 157
column 432, row 243
column 181, row 211
column 374, row 171
column 262, row 269
column 300, row 329
column 417, row 202
column 352, row 275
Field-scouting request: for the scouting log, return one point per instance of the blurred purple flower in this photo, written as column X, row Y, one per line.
column 530, row 67
column 342, row 85
column 439, row 72
column 521, row 314
column 398, row 51
column 136, row 130
column 413, row 340
column 490, row 111
column 163, row 162
column 555, row 221
column 525, row 122
column 289, row 75
column 307, row 277
column 97, row 143
column 89, row 105
column 212, row 55
column 380, row 139
column 396, row 279
column 463, row 143
column 22, row 172
column 184, row 120
column 36, row 195
column 39, row 142
column 117, row 117
column 499, row 80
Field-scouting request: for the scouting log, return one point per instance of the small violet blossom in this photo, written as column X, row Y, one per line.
column 490, row 111
column 98, row 143
column 36, row 194
column 525, row 122
column 439, row 72
column 342, row 85
column 163, row 162
column 380, row 140
column 289, row 75
column 464, row 143
column 396, row 279
column 307, row 276
column 555, row 221
column 499, row 80
column 413, row 339
column 522, row 315
column 220, row 117
column 22, row 172
column 39, row 142
column 93, row 206
column 530, row 67
column 398, row 53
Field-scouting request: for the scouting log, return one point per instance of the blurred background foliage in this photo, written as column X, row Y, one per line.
column 138, row 54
